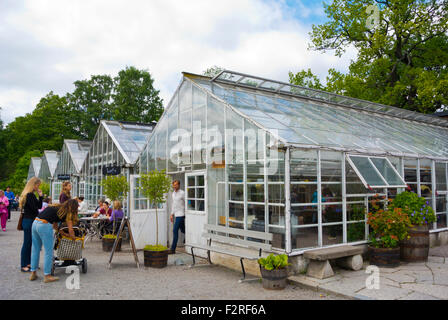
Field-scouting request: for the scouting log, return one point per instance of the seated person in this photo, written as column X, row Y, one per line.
column 116, row 217
column 83, row 206
column 104, row 211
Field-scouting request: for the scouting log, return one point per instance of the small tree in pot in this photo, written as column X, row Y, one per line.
column 274, row 271
column 154, row 186
column 421, row 214
column 115, row 188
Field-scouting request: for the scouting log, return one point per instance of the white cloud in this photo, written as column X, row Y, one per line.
column 163, row 36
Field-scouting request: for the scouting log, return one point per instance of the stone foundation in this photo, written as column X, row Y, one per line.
column 438, row 239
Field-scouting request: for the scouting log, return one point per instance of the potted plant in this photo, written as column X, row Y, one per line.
column 421, row 214
column 115, row 188
column 274, row 271
column 154, row 186
column 389, row 226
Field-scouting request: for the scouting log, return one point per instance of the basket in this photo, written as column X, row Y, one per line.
column 69, row 249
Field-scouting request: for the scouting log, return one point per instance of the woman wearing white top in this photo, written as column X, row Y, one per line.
column 83, row 206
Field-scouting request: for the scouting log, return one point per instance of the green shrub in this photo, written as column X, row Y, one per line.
column 272, row 262
column 417, row 208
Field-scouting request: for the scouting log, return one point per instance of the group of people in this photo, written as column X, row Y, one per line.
column 39, row 217
column 7, row 199
column 38, row 223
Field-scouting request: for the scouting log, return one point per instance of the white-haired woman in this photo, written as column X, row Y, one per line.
column 30, row 205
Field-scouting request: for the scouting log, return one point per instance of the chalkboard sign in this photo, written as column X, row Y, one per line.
column 111, row 171
column 63, row 177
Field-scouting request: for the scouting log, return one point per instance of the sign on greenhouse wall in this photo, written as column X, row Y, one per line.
column 63, row 177
column 111, row 171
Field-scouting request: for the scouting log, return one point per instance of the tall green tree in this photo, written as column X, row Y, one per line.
column 402, row 50
column 91, row 102
column 135, row 98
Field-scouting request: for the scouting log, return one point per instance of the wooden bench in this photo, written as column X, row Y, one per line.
column 347, row 256
column 211, row 233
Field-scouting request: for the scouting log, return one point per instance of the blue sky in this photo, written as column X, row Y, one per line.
column 46, row 45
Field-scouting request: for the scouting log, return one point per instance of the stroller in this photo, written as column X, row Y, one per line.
column 69, row 252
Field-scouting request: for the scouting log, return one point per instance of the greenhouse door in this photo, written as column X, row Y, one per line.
column 143, row 218
column 56, row 191
column 195, row 207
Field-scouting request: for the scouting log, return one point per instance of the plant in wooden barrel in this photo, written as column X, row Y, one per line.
column 115, row 188
column 274, row 271
column 421, row 214
column 389, row 226
column 154, row 186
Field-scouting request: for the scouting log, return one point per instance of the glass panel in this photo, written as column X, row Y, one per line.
column 356, row 212
column 331, row 192
column 236, row 192
column 387, row 172
column 277, row 215
column 276, row 193
column 367, row 171
column 303, row 166
column 353, row 183
column 441, row 204
column 200, row 193
column 304, row 193
column 410, row 170
column 441, row 221
column 331, row 169
column 304, row 215
column 236, row 215
column 332, row 234
column 191, row 205
column 441, row 176
column 356, row 232
column 255, row 192
column 331, row 213
column 304, row 238
column 425, row 171
column 255, row 217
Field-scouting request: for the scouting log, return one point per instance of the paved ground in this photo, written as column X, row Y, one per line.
column 410, row 281
column 125, row 281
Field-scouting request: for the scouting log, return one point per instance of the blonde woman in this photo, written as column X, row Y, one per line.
column 30, row 205
column 65, row 194
column 43, row 234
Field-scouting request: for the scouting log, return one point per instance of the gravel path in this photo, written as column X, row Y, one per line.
column 125, row 281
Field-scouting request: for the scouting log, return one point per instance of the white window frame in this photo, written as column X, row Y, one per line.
column 195, row 174
column 361, row 177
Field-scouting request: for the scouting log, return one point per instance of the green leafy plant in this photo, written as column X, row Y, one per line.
column 154, row 186
column 417, row 208
column 389, row 226
column 115, row 187
column 274, row 262
column 356, row 231
column 45, row 187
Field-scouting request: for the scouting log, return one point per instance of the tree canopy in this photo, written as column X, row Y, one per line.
column 402, row 50
column 130, row 96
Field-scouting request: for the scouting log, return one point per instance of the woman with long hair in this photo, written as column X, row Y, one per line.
column 30, row 205
column 43, row 234
column 65, row 194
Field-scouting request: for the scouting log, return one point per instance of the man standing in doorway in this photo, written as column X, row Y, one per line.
column 10, row 195
column 177, row 213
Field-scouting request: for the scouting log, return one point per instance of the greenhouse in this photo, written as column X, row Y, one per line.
column 301, row 164
column 72, row 157
column 116, row 144
column 48, row 165
column 34, row 168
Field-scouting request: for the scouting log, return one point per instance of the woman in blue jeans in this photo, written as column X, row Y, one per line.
column 30, row 205
column 43, row 235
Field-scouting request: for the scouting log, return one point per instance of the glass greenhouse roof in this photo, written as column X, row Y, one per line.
column 130, row 138
column 300, row 116
column 78, row 151
column 52, row 158
column 36, row 162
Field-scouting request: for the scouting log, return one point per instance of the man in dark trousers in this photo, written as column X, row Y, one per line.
column 177, row 213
